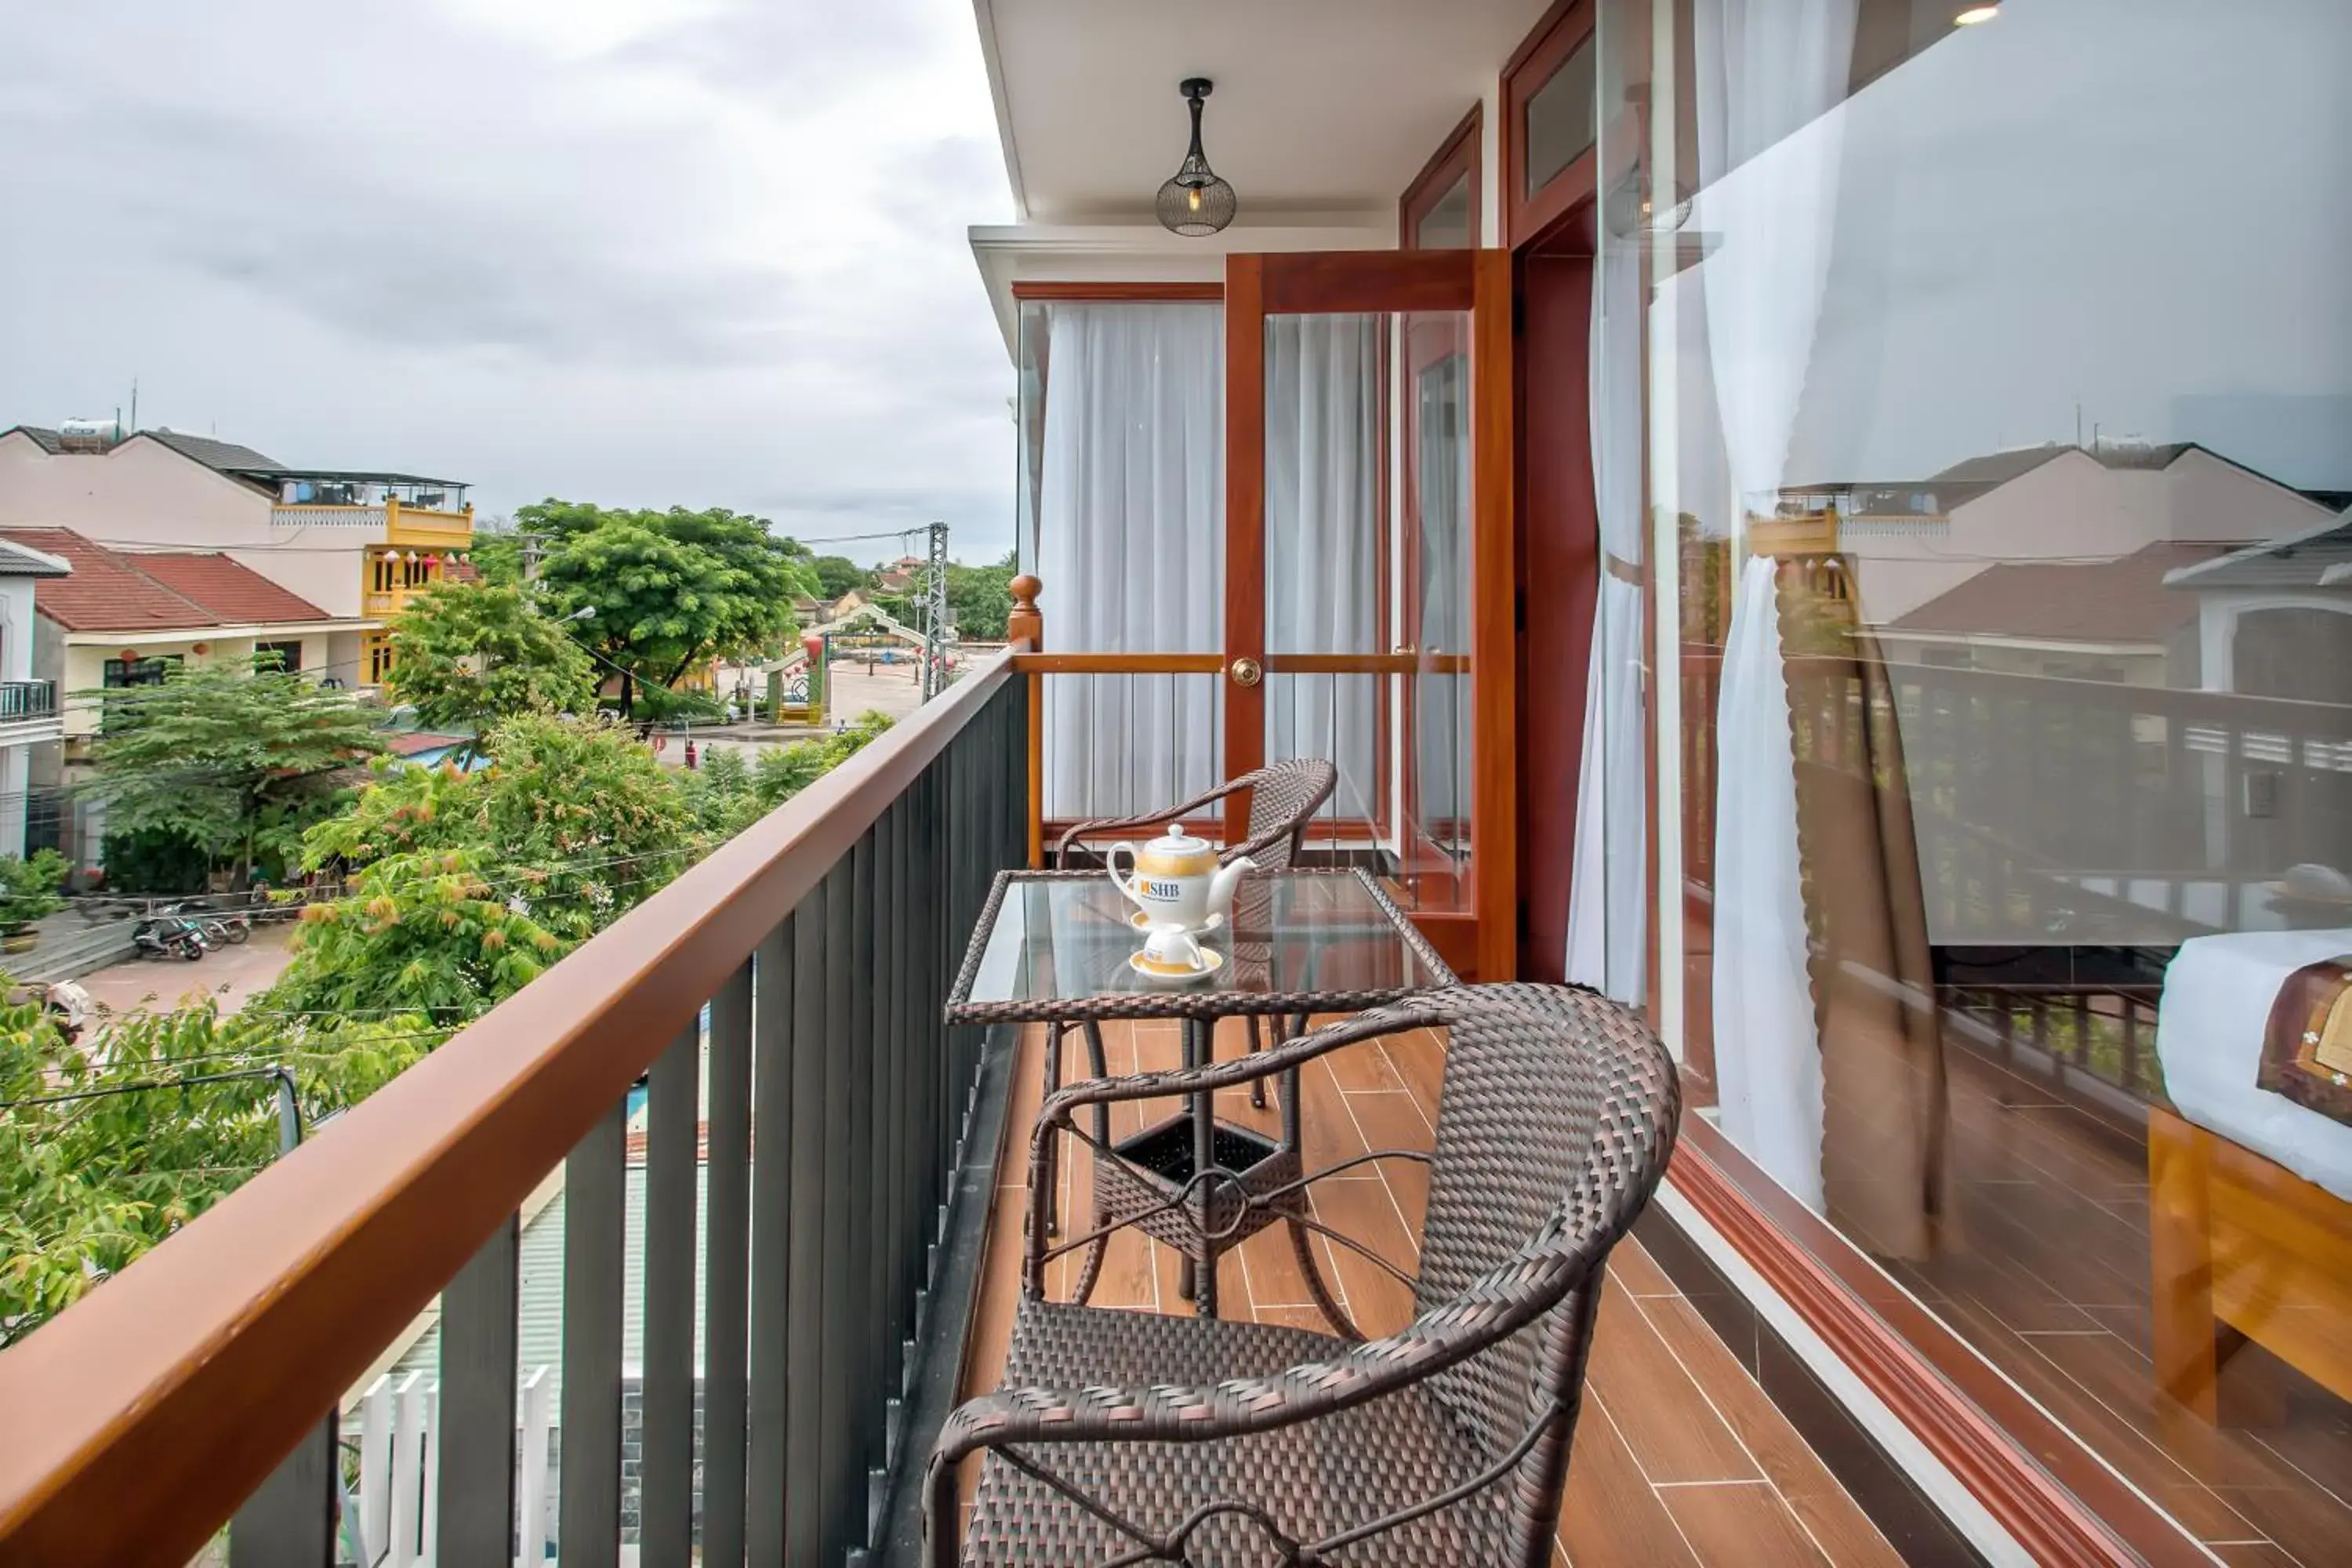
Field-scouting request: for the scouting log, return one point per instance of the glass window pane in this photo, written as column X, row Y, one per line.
column 2005, row 796
column 1560, row 125
column 1446, row 225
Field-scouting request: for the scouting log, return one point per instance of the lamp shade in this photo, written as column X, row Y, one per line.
column 1195, row 201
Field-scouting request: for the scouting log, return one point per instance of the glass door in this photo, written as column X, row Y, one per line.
column 1367, row 606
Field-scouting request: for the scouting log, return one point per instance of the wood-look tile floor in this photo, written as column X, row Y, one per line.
column 2050, row 1279
column 1679, row 1458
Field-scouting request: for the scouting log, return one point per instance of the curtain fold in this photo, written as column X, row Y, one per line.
column 1608, row 913
column 1771, row 81
column 1768, row 1062
column 1322, row 538
column 1130, row 549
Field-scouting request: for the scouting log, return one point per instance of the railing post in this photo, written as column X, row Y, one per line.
column 771, row 1240
column 588, row 1531
column 665, row 1486
column 1025, row 624
column 727, row 1210
column 477, row 1417
column 292, row 1518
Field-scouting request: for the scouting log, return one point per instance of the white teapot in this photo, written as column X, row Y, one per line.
column 1176, row 881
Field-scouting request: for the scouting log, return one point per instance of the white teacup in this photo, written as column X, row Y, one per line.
column 1170, row 950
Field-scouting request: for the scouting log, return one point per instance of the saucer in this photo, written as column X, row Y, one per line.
column 1216, row 960
column 1142, row 921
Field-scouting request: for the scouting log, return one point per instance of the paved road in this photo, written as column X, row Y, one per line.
column 231, row 974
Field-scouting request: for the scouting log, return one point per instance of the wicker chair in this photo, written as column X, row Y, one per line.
column 1284, row 798
column 1125, row 1436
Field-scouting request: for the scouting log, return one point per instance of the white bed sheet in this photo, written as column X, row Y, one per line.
column 2217, row 999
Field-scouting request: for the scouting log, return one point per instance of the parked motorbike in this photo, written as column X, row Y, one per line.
column 231, row 930
column 169, row 936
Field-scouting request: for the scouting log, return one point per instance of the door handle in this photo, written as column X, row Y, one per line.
column 1246, row 671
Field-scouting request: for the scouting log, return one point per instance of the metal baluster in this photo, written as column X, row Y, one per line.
column 806, row 1510
column 771, row 1231
column 844, row 1471
column 588, row 1529
column 666, row 1494
column 476, row 1429
column 291, row 1517
column 727, row 1271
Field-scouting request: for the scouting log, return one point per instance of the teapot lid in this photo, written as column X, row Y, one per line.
column 1176, row 841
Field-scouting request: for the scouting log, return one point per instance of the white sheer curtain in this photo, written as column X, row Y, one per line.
column 1608, row 911
column 1771, row 79
column 1322, row 530
column 1130, row 549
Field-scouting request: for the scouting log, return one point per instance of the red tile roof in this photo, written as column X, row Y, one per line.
column 2119, row 601
column 231, row 590
column 123, row 591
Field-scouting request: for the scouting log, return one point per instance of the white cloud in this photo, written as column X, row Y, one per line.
column 637, row 251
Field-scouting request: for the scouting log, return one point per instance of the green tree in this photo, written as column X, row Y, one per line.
column 464, row 886
column 837, row 574
column 30, row 888
column 727, row 794
column 171, row 1112
column 980, row 599
column 468, row 655
column 220, row 757
column 669, row 589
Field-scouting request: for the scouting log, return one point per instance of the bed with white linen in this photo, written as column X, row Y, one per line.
column 2250, row 1194
column 2209, row 1035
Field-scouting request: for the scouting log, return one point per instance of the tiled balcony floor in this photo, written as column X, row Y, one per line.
column 1679, row 1458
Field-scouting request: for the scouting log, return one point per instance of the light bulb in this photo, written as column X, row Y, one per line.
column 1192, row 197
column 1975, row 13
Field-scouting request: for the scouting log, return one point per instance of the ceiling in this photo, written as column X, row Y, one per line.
column 1321, row 106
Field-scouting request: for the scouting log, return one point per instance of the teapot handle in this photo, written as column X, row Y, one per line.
column 1124, row 884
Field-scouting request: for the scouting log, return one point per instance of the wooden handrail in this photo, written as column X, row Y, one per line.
column 138, row 1418
column 1119, row 663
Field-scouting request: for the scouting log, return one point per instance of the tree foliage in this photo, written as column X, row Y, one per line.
column 464, row 886
column 980, row 599
column 669, row 589
column 30, row 888
column 227, row 760
column 469, row 655
column 837, row 574
column 186, row 1114
column 727, row 794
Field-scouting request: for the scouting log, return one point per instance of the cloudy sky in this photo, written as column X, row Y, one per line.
column 641, row 252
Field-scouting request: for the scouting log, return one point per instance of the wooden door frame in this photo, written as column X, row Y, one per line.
column 1568, row 26
column 1479, row 282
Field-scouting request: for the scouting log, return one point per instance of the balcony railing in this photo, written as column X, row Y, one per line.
column 24, row 700
column 831, row 1103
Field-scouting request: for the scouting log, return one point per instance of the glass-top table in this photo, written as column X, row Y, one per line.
column 1052, row 947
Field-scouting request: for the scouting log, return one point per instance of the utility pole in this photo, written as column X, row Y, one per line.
column 935, row 617
column 532, row 556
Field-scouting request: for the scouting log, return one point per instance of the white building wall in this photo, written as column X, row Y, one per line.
column 16, row 627
column 144, row 493
column 2074, row 508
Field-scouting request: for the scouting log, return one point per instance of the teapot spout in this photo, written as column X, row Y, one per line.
column 1221, row 885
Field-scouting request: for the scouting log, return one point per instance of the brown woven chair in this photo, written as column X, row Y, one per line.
column 1124, row 1437
column 1282, row 799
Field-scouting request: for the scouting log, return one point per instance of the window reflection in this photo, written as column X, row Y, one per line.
column 2002, row 482
column 1560, row 123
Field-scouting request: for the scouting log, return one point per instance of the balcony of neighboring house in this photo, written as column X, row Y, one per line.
column 30, row 712
column 378, row 507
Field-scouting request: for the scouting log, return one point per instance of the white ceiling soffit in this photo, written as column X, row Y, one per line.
column 1321, row 106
